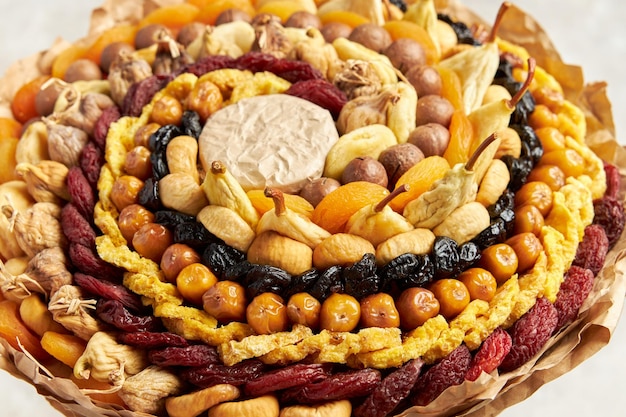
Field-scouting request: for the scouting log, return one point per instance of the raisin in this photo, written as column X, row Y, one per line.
column 193, row 234
column 141, row 93
column 86, row 260
column 360, row 279
column 288, row 377
column 266, row 278
column 81, row 193
column 448, row 372
column 574, row 290
column 219, row 256
column 208, row 64
column 530, row 333
column 393, row 389
column 302, row 282
column 613, row 180
column 114, row 313
column 592, row 250
column 445, row 256
column 101, row 128
column 191, row 124
column 531, row 145
column 75, row 228
column 490, row 355
column 213, row 374
column 170, row 218
column 609, row 213
column 505, row 202
column 193, row 355
column 330, row 281
column 91, row 161
column 151, row 340
column 339, row 386
column 322, row 93
column 109, row 291
column 148, row 196
column 519, row 169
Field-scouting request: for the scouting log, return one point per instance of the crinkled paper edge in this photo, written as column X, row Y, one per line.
column 491, row 394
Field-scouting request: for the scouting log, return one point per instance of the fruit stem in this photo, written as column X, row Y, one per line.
column 279, row 200
column 469, row 165
column 496, row 25
column 381, row 205
column 529, row 79
column 217, row 167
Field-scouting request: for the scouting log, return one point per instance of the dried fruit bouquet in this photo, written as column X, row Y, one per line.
column 362, row 208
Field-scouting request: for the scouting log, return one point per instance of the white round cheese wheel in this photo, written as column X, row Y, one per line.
column 274, row 140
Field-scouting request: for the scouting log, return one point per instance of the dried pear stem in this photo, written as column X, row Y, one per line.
column 218, row 167
column 401, row 189
column 496, row 25
column 469, row 165
column 529, row 78
column 279, row 200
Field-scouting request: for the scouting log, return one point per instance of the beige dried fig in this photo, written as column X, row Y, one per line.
column 33, row 145
column 46, row 180
column 272, row 248
column 14, row 196
column 65, row 143
column 510, row 143
column 37, row 228
column 494, row 183
column 265, row 406
column 147, row 390
column 464, row 223
column 228, row 226
column 341, row 249
column 418, row 241
column 340, row 408
column 197, row 402
column 69, row 308
column 180, row 191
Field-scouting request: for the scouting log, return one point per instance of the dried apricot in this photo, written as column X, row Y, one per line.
column 66, row 58
column 67, row 348
column 14, row 331
column 343, row 16
column 10, row 128
column 282, row 9
column 174, row 17
column 451, row 87
column 211, row 9
column 23, row 105
column 119, row 33
column 406, row 29
column 336, row 208
column 419, row 178
column 8, row 162
column 461, row 137
column 571, row 162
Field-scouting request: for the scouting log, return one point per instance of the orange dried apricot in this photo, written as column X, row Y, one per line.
column 527, row 246
column 10, row 128
column 282, row 9
column 336, row 208
column 23, row 104
column 66, row 348
column 528, row 218
column 552, row 175
column 211, row 9
column 451, row 87
column 535, row 193
column 343, row 16
column 193, row 281
column 461, row 138
column 8, row 146
column 406, row 29
column 419, row 178
column 173, row 17
column 262, row 204
column 66, row 58
column 121, row 33
column 551, row 138
column 15, row 332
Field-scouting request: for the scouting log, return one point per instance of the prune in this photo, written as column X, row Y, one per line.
column 237, row 272
column 320, row 92
column 170, row 218
column 114, row 313
column 573, row 292
column 191, row 124
column 193, row 355
column 109, row 291
column 330, row 281
column 529, row 137
column 339, row 386
column 393, row 389
column 445, row 256
column 524, row 107
column 463, row 32
column 519, row 168
column 469, row 254
column 288, row 377
column 408, row 270
column 302, row 282
column 490, row 355
column 505, row 202
column 160, row 168
column 152, row 340
column 360, row 278
column 266, row 278
column 218, row 257
column 141, row 93
column 148, row 196
column 530, row 333
column 214, row 374
column 592, row 250
column 495, row 233
column 193, row 234
column 609, row 213
column 448, row 372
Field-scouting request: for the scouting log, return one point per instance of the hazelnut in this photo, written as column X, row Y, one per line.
column 372, row 36
column 425, row 79
column 434, row 109
column 315, row 190
column 82, row 70
column 303, row 19
column 111, row 52
column 333, row 30
column 232, row 15
column 405, row 53
column 190, row 32
column 365, row 168
column 148, row 35
column 431, row 138
column 398, row 159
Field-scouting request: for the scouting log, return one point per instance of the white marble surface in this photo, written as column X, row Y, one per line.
column 589, row 33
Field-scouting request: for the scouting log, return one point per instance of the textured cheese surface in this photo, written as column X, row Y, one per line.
column 275, row 140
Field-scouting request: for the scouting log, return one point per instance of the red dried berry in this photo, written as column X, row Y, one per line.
column 320, row 92
column 609, row 213
column 343, row 385
column 574, row 290
column 141, row 93
column 101, row 127
column 530, row 333
column 108, row 290
column 592, row 250
column 215, row 373
column 448, row 372
column 208, row 64
column 114, row 313
column 152, row 340
column 75, row 228
column 393, row 389
column 80, row 191
column 91, row 161
column 490, row 355
column 612, row 180
column 194, row 355
column 290, row 70
column 86, row 260
column 288, row 377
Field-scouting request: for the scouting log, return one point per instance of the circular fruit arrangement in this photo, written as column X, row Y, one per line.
column 298, row 207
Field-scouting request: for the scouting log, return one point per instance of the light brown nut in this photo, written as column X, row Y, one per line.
column 464, row 223
column 180, row 191
column 265, row 406
column 182, row 156
column 341, row 249
column 417, row 241
column 272, row 248
column 340, row 408
column 191, row 405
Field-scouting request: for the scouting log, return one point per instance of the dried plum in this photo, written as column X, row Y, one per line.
column 463, row 32
column 237, row 272
column 191, row 124
column 330, row 281
column 193, row 234
column 266, row 278
column 531, row 145
column 495, row 233
column 445, row 256
column 469, row 254
column 149, row 195
column 219, row 256
column 170, row 218
column 519, row 169
column 360, row 278
column 408, row 270
column 302, row 282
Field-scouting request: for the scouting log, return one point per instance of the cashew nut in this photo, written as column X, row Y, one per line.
column 265, row 406
column 341, row 408
column 191, row 405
